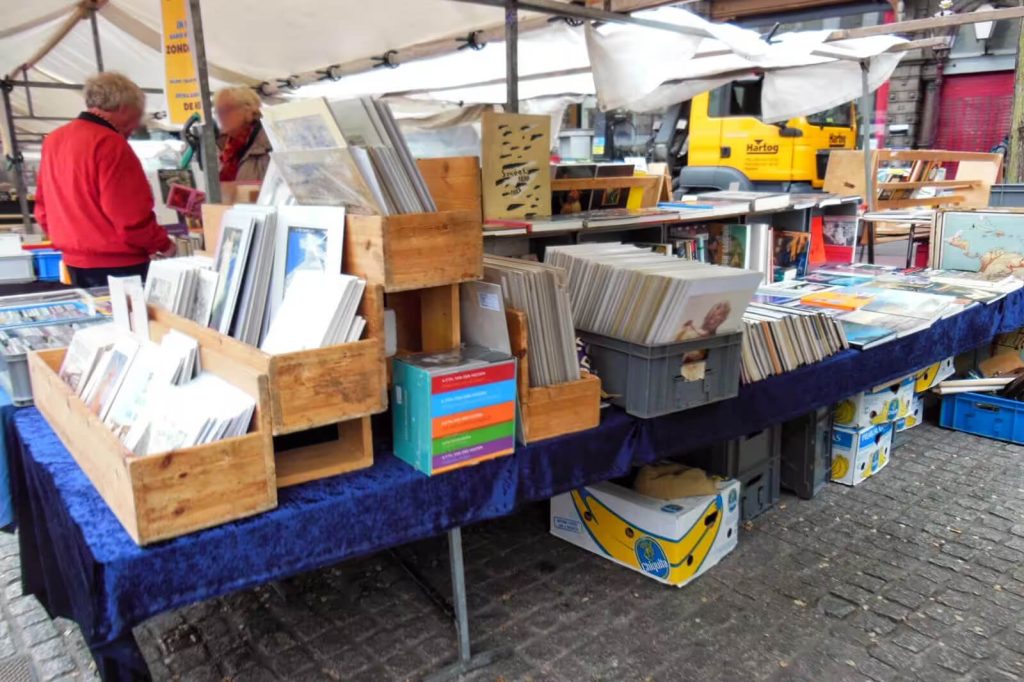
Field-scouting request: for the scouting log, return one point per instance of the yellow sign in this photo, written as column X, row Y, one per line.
column 181, row 87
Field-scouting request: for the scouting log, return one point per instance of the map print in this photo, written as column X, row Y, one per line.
column 992, row 243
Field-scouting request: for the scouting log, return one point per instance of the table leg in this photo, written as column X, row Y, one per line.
column 467, row 661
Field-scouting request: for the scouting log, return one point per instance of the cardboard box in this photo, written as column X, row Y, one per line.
column 879, row 405
column 859, row 454
column 672, row 541
column 915, row 417
column 454, row 409
column 930, row 376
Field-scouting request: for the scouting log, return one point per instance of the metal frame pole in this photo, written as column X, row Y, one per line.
column 512, row 56
column 209, row 140
column 95, row 39
column 28, row 93
column 459, row 591
column 16, row 158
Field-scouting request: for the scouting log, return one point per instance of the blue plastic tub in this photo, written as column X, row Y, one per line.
column 984, row 415
column 47, row 265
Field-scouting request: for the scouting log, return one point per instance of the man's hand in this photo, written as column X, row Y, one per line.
column 169, row 251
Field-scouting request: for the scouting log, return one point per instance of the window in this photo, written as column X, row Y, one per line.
column 836, row 116
column 739, row 98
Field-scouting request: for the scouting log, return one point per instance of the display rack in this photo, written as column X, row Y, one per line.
column 163, row 496
column 550, row 411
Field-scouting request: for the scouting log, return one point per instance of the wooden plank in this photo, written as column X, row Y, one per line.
column 930, row 201
column 948, row 184
column 440, row 318
column 563, row 408
column 984, row 173
column 352, row 450
column 454, row 183
column 406, row 306
column 934, row 155
column 518, row 340
column 928, row 23
column 844, row 175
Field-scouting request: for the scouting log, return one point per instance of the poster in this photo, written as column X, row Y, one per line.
column 181, row 87
column 516, row 165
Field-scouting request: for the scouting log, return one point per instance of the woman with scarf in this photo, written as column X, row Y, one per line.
column 244, row 146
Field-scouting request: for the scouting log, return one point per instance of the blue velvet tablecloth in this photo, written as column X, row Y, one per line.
column 82, row 565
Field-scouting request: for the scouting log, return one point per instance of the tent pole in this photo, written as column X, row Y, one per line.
column 28, row 93
column 209, row 143
column 867, row 117
column 512, row 56
column 53, row 85
column 16, row 158
column 95, row 39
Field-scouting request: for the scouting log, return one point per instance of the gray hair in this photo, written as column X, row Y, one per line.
column 109, row 91
column 242, row 97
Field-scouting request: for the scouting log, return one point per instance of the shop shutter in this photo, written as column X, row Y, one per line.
column 974, row 111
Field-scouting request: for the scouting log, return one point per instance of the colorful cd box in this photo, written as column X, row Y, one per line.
column 454, row 409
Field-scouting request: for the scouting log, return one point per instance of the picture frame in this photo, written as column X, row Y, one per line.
column 307, row 238
column 229, row 262
column 302, row 125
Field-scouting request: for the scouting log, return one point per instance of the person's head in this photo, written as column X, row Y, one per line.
column 117, row 99
column 236, row 109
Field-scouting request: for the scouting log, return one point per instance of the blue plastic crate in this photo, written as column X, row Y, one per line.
column 984, row 415
column 47, row 265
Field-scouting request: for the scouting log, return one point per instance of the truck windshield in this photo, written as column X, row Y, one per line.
column 836, row 116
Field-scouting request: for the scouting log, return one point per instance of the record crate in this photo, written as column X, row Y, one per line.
column 549, row 411
column 320, row 400
column 414, row 251
column 807, row 453
column 648, row 381
column 162, row 496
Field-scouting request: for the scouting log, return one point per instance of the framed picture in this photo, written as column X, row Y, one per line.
column 229, row 262
column 309, row 239
column 302, row 125
column 990, row 242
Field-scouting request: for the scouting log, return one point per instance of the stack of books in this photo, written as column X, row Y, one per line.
column 454, row 409
column 154, row 397
column 778, row 339
column 541, row 291
column 185, row 286
column 631, row 293
column 344, row 153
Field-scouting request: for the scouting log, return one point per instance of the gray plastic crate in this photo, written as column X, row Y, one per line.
column 15, row 378
column 760, row 489
column 647, row 381
column 734, row 458
column 1006, row 196
column 807, row 453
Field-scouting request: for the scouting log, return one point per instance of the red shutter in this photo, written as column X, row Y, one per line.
column 974, row 111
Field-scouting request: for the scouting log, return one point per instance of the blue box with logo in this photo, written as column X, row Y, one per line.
column 672, row 541
column 859, row 454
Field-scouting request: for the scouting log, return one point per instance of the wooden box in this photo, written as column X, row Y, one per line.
column 340, row 448
column 414, row 251
column 163, row 496
column 551, row 411
column 314, row 387
column 453, row 182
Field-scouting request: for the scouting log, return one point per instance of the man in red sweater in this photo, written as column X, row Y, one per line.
column 92, row 196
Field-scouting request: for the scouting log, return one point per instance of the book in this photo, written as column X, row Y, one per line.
column 791, row 250
column 899, row 324
column 567, row 202
column 906, row 303
column 317, row 310
column 128, row 302
column 755, row 201
column 863, row 337
column 618, row 198
column 85, row 350
column 842, row 299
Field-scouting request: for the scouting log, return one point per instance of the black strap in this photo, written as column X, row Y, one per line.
column 93, row 118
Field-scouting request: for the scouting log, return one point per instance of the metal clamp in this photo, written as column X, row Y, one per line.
column 472, row 41
column 332, row 72
column 6, row 84
column 291, row 82
column 388, row 59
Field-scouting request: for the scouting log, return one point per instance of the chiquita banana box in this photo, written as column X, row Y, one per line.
column 915, row 417
column 859, row 454
column 932, row 375
column 672, row 541
column 879, row 405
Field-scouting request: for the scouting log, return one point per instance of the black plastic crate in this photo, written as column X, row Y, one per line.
column 647, row 381
column 759, row 489
column 806, row 462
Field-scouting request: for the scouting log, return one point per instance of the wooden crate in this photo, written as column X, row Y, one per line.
column 163, row 496
column 308, row 388
column 551, row 411
column 414, row 251
column 348, row 447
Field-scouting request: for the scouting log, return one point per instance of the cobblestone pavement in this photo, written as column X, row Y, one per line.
column 916, row 574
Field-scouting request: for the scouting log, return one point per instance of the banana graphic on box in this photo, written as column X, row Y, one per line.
column 672, row 541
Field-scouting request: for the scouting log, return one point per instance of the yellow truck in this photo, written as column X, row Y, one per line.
column 717, row 141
